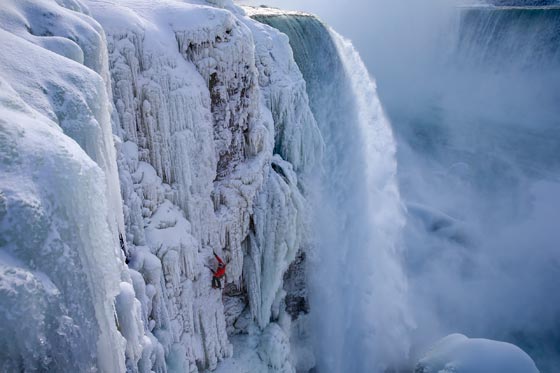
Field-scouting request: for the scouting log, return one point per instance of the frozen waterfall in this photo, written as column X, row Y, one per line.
column 357, row 287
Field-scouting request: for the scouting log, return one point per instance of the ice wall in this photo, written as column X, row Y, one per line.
column 212, row 136
column 358, row 291
column 205, row 96
column 61, row 210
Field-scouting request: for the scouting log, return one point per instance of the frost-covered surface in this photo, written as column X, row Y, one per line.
column 459, row 354
column 200, row 93
column 203, row 97
column 60, row 205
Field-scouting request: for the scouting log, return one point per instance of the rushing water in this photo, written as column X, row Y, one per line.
column 477, row 125
column 509, row 38
column 357, row 287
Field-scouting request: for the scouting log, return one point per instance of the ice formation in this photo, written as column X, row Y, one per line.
column 61, row 208
column 205, row 115
column 198, row 112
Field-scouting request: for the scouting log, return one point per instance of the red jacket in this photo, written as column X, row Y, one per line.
column 221, row 271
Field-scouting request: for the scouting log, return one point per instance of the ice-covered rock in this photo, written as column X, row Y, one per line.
column 61, row 207
column 458, row 354
column 274, row 349
column 274, row 240
column 297, row 136
column 198, row 112
column 185, row 128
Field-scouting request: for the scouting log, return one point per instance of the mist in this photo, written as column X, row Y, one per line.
column 472, row 96
column 478, row 168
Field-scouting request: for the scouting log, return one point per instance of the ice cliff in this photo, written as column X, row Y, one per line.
column 185, row 128
column 61, row 209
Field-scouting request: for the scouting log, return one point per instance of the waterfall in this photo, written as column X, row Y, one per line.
column 509, row 37
column 357, row 286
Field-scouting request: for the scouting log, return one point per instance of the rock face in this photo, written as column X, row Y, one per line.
column 185, row 129
column 295, row 287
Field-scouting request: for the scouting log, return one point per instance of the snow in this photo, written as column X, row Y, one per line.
column 297, row 136
column 131, row 328
column 58, row 180
column 197, row 172
column 458, row 354
column 257, row 351
column 278, row 211
column 274, row 349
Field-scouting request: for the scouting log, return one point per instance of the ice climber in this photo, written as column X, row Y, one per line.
column 218, row 273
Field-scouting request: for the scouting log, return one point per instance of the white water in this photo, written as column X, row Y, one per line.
column 358, row 295
column 478, row 168
column 359, row 312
